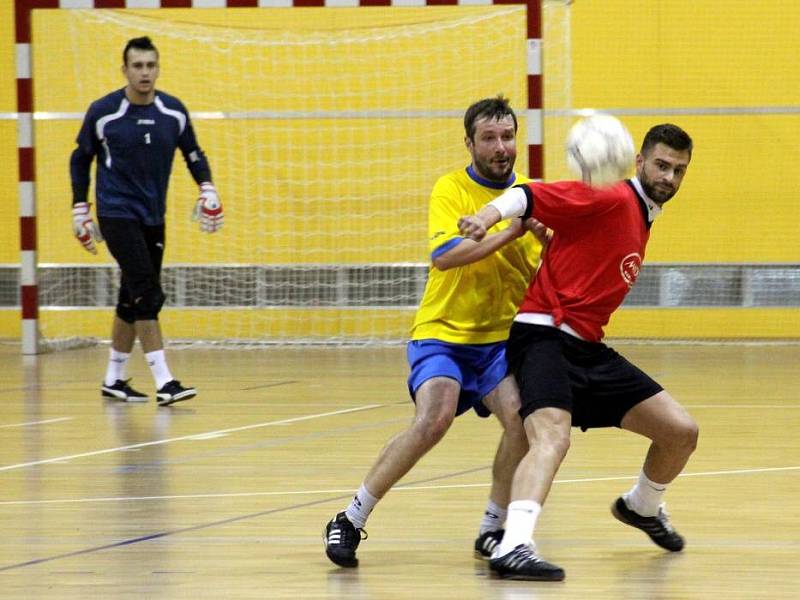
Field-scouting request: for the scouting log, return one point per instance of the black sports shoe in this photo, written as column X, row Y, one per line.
column 658, row 528
column 172, row 392
column 523, row 563
column 341, row 538
column 487, row 542
column 122, row 391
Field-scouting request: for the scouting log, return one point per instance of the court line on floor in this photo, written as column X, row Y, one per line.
column 43, row 422
column 193, row 436
column 161, row 534
column 268, row 385
column 264, row 444
column 409, row 486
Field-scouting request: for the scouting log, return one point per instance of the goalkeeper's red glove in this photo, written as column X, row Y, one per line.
column 208, row 209
column 85, row 229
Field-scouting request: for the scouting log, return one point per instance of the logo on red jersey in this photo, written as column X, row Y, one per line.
column 629, row 268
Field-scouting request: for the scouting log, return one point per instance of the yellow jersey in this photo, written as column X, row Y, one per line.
column 474, row 303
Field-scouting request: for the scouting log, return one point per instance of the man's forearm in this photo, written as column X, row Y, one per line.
column 489, row 215
column 511, row 203
column 514, row 202
column 79, row 168
column 469, row 251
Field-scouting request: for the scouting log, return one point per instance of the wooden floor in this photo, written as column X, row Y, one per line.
column 225, row 496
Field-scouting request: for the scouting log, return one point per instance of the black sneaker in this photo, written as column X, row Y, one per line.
column 523, row 563
column 658, row 528
column 172, row 392
column 341, row 538
column 487, row 542
column 122, row 391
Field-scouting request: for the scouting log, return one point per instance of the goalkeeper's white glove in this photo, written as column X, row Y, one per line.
column 208, row 209
column 85, row 229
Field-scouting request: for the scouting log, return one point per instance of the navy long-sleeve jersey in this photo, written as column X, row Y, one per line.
column 135, row 146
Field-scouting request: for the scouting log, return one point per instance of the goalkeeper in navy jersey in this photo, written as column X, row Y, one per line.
column 133, row 133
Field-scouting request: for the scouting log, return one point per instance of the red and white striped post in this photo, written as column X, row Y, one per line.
column 535, row 95
column 29, row 296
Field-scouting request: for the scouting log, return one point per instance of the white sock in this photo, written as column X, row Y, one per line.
column 360, row 507
column 493, row 518
column 520, row 523
column 157, row 362
column 117, row 366
column 645, row 497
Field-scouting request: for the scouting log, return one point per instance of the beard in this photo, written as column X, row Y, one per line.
column 494, row 171
column 657, row 192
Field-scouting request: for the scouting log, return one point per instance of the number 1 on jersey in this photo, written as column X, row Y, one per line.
column 146, row 138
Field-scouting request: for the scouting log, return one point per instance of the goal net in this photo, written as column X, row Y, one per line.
column 325, row 130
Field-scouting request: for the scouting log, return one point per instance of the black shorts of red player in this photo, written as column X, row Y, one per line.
column 588, row 379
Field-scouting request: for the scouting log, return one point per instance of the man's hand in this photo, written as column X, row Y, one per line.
column 539, row 231
column 517, row 228
column 475, row 226
column 85, row 229
column 472, row 227
column 208, row 209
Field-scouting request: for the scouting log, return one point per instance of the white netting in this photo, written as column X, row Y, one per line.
column 326, row 130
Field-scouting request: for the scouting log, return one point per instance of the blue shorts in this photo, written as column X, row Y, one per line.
column 478, row 368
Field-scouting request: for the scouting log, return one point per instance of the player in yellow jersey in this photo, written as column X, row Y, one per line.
column 457, row 348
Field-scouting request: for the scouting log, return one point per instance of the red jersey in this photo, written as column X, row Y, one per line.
column 599, row 238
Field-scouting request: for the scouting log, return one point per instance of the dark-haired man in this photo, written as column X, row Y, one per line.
column 134, row 133
column 457, row 348
column 566, row 375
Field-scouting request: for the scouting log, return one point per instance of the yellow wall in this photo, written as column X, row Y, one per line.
column 740, row 199
column 739, row 202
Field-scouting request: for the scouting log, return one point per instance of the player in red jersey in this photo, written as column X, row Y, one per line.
column 566, row 375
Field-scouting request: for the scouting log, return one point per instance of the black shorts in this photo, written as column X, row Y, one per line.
column 588, row 379
column 139, row 252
